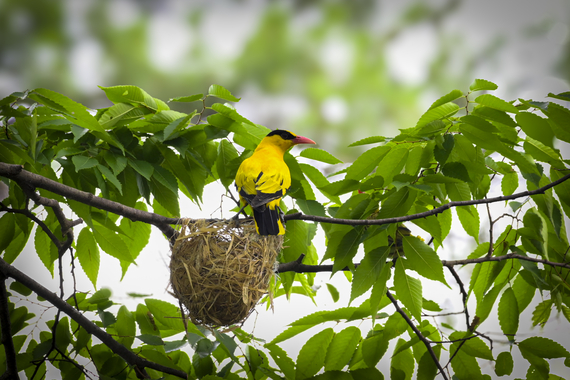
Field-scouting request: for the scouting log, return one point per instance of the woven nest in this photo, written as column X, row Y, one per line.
column 219, row 272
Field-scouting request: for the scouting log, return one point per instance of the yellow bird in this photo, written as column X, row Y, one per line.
column 263, row 179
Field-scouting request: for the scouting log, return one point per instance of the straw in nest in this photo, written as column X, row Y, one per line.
column 220, row 272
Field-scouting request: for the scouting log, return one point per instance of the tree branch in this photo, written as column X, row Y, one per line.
column 425, row 341
column 27, row 179
column 131, row 358
column 435, row 211
column 463, row 292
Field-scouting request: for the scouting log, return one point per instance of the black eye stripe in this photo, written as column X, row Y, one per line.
column 285, row 135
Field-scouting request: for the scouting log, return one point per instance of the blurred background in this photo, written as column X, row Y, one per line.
column 336, row 71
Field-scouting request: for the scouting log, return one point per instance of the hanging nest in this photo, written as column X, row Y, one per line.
column 219, row 271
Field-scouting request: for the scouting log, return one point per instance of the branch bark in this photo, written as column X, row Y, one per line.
column 131, row 358
column 435, row 211
column 27, row 179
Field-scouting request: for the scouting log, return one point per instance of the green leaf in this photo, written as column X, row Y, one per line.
column 453, row 95
column 20, row 288
column 135, row 234
column 409, row 290
column 536, row 127
column 121, row 113
column 152, row 340
column 366, row 274
column 464, row 365
column 346, row 249
column 165, row 196
column 312, row 355
column 421, row 258
column 81, row 116
column 83, row 162
column 509, row 314
column 438, row 113
column 112, row 244
column 284, row 362
column 227, row 153
column 142, row 167
column 165, row 314
column 456, row 170
column 544, row 348
column 342, row 348
column 45, row 248
column 374, row 347
column 334, row 292
column 541, row 313
column 369, row 140
column 125, row 327
column 469, row 218
column 130, row 94
column 8, row 228
column 87, row 253
column 366, row 162
column 482, row 85
column 496, row 103
column 111, row 177
column 504, row 364
column 320, row 155
column 187, row 99
column 509, row 183
column 222, row 93
column 402, row 364
column 542, row 152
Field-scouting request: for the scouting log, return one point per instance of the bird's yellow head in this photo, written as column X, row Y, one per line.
column 284, row 139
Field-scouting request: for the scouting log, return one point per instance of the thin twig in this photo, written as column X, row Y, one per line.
column 131, row 358
column 425, row 341
column 463, row 293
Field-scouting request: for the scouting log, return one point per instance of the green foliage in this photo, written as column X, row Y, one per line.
column 141, row 154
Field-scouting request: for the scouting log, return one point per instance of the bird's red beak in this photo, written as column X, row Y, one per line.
column 302, row 140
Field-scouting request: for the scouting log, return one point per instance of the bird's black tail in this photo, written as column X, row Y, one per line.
column 269, row 221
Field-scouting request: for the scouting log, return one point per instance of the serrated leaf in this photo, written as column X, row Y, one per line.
column 509, row 314
column 422, row 258
column 542, row 152
column 438, row 113
column 87, row 253
column 125, row 326
column 130, row 94
column 482, row 85
column 45, row 248
column 402, row 364
column 312, row 355
column 496, row 103
column 187, row 99
column 284, row 362
column 320, row 155
column 342, row 348
column 451, row 96
column 464, row 365
column 469, row 218
column 504, row 364
column 222, row 93
column 367, row 272
column 509, row 183
column 334, row 292
column 110, row 177
column 226, row 154
column 166, row 314
column 152, row 340
column 144, row 168
column 366, row 162
column 8, row 228
column 541, row 313
column 544, row 347
column 368, row 140
column 81, row 116
column 112, row 244
column 83, row 162
column 409, row 290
